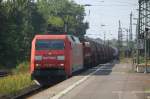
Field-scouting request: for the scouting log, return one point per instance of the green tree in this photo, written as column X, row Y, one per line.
column 21, row 20
column 62, row 13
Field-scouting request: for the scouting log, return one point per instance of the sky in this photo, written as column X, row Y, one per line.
column 108, row 13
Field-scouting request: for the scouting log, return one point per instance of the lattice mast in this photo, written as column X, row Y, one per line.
column 143, row 27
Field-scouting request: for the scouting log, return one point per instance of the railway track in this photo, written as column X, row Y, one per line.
column 28, row 91
column 4, row 73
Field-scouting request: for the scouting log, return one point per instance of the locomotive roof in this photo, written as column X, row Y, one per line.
column 51, row 36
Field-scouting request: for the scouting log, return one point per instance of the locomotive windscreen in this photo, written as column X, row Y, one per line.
column 50, row 45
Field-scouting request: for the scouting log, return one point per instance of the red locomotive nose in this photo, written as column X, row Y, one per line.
column 49, row 54
column 45, row 60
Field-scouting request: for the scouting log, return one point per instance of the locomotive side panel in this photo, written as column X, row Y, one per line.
column 76, row 54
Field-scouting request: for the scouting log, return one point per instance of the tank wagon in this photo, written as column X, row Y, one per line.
column 57, row 56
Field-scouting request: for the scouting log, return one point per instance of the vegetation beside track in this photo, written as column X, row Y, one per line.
column 20, row 79
column 14, row 83
column 142, row 60
column 125, row 60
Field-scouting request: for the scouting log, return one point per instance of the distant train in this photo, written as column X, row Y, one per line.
column 57, row 56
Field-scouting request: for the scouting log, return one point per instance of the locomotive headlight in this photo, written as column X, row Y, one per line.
column 61, row 64
column 38, row 65
column 38, row 58
column 60, row 57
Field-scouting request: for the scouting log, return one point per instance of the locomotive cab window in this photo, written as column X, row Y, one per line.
column 50, row 45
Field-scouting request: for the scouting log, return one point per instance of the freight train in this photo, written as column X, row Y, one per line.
column 58, row 56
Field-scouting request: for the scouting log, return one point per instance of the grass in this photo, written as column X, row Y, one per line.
column 18, row 80
column 147, row 90
column 14, row 83
column 125, row 60
column 142, row 60
column 21, row 68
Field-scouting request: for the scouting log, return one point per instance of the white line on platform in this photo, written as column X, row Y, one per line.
column 140, row 92
column 62, row 93
column 106, row 69
column 102, row 69
column 115, row 72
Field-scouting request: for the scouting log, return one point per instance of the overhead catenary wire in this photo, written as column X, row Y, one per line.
column 110, row 5
column 130, row 3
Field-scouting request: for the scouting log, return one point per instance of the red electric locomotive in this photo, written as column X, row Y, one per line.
column 55, row 56
column 59, row 56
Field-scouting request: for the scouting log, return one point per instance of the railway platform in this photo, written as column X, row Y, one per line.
column 106, row 81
